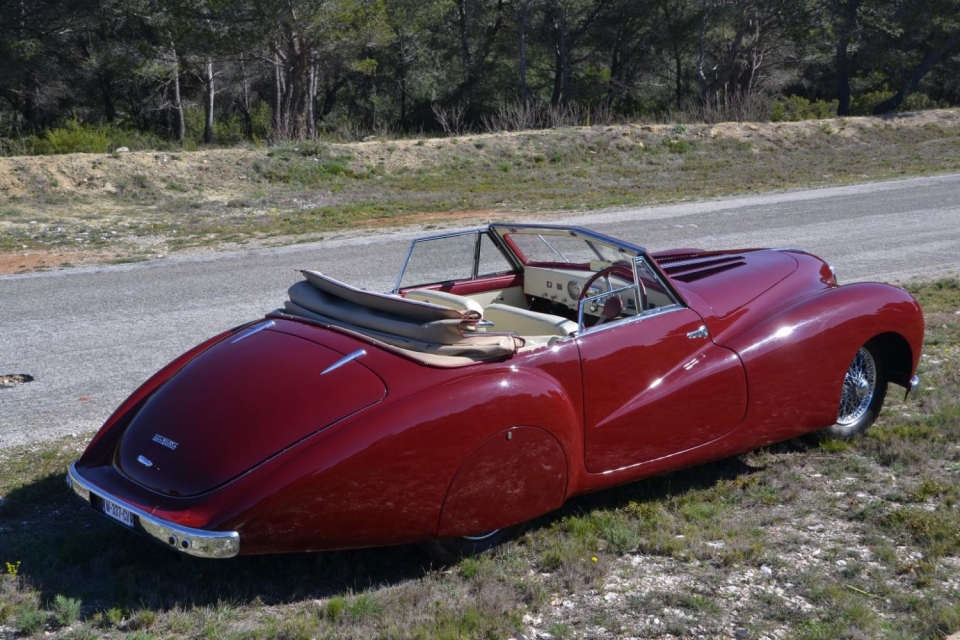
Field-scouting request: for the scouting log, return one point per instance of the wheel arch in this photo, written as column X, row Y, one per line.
column 513, row 476
column 898, row 357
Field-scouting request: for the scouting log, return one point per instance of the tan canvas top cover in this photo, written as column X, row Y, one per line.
column 397, row 321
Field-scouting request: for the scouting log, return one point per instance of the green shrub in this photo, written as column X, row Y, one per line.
column 797, row 108
column 29, row 620
column 65, row 610
column 74, row 138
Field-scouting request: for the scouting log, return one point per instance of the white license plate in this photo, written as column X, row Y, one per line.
column 118, row 513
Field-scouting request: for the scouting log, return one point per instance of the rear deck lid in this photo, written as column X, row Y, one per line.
column 237, row 404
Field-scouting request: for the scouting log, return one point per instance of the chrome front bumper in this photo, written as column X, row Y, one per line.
column 194, row 542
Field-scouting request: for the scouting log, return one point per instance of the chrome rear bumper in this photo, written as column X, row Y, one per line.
column 194, row 542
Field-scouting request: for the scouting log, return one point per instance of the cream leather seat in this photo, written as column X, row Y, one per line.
column 444, row 299
column 527, row 323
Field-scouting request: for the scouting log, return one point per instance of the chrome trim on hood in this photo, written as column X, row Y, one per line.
column 194, row 542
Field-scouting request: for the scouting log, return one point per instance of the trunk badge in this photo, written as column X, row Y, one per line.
column 166, row 442
column 144, row 461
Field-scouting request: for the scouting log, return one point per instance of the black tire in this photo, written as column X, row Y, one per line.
column 451, row 550
column 864, row 389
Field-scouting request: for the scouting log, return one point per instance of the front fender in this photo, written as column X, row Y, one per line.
column 796, row 359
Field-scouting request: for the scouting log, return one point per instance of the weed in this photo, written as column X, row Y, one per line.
column 114, row 616
column 142, row 619
column 470, row 567
column 363, row 606
column 65, row 610
column 679, row 146
column 29, row 620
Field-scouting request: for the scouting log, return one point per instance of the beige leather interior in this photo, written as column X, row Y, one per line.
column 527, row 323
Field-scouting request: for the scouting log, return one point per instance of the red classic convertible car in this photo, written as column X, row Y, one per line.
column 511, row 368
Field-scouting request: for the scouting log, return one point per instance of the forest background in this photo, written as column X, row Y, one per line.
column 81, row 75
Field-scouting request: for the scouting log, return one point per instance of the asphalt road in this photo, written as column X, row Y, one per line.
column 90, row 336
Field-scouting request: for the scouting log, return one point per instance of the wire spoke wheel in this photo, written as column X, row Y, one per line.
column 859, row 387
column 861, row 395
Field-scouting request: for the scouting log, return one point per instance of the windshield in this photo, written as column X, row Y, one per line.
column 540, row 247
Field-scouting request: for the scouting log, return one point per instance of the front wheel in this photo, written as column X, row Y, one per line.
column 864, row 388
column 450, row 550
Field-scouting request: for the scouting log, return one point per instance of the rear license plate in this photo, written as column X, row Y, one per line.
column 118, row 513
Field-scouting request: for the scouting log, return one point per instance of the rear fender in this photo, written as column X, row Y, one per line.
column 384, row 478
column 795, row 360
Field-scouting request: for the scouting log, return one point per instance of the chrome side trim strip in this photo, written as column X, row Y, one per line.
column 194, row 542
column 350, row 357
column 252, row 330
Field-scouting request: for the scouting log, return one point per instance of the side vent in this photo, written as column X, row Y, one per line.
column 693, row 267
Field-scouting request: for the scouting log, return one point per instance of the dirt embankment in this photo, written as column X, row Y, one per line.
column 93, row 208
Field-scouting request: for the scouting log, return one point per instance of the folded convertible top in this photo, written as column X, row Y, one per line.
column 397, row 321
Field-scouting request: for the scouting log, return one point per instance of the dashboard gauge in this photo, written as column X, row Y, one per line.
column 573, row 290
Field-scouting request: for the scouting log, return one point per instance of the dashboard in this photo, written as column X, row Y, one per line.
column 563, row 286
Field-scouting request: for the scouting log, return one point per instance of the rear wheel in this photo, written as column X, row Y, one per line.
column 450, row 550
column 864, row 388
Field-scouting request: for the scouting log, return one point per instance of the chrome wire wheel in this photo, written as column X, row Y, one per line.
column 859, row 387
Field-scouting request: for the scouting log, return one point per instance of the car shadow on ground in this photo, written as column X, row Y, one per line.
column 67, row 549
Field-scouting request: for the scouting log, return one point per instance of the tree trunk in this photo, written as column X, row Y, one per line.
column 245, row 101
column 311, row 101
column 911, row 82
column 561, row 74
column 277, row 90
column 464, row 42
column 106, row 91
column 847, row 23
column 524, row 18
column 180, row 125
column 210, row 92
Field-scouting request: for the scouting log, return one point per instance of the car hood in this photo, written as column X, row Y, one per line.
column 237, row 404
column 728, row 280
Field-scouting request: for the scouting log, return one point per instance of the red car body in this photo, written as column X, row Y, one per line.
column 242, row 446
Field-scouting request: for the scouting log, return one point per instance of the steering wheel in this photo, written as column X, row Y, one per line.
column 620, row 270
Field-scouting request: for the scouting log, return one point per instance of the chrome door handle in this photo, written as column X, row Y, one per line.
column 699, row 333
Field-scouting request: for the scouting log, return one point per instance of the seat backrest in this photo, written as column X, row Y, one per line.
column 444, row 299
column 527, row 323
